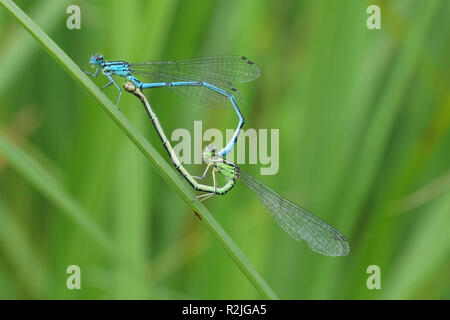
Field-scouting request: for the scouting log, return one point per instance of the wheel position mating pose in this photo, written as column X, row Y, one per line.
column 296, row 221
column 207, row 80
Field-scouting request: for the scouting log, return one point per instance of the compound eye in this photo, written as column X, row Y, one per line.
column 211, row 150
column 97, row 57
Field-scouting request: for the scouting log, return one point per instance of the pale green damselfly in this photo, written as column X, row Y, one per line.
column 296, row 221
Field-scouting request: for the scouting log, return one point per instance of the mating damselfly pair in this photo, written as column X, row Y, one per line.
column 192, row 79
column 207, row 81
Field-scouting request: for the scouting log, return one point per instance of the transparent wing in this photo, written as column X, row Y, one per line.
column 228, row 69
column 298, row 222
column 220, row 71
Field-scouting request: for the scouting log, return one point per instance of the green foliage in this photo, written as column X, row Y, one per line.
column 364, row 143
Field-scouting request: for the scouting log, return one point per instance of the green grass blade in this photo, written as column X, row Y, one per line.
column 169, row 175
column 51, row 188
column 19, row 50
column 427, row 251
column 19, row 251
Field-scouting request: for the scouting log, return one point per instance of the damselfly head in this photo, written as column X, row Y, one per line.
column 209, row 154
column 129, row 86
column 96, row 59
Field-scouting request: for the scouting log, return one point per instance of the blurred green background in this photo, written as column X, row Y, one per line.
column 364, row 120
